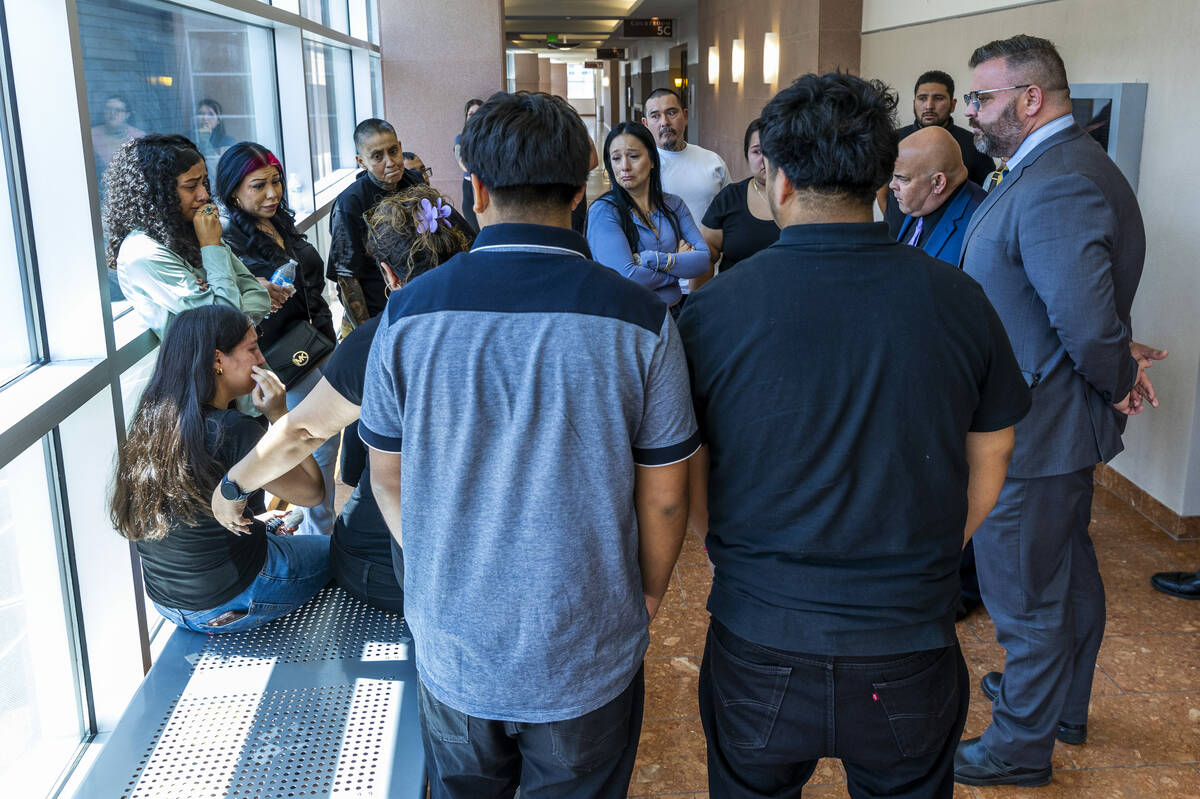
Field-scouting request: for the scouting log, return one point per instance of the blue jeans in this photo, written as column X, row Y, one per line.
column 769, row 715
column 297, row 567
column 318, row 520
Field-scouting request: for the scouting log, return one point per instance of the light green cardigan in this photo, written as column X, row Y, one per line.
column 161, row 285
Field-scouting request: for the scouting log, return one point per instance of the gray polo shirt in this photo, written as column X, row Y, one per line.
column 524, row 382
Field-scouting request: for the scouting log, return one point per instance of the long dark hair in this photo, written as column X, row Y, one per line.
column 621, row 198
column 165, row 474
column 239, row 161
column 142, row 195
column 218, row 131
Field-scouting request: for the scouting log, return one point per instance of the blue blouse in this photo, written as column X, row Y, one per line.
column 611, row 248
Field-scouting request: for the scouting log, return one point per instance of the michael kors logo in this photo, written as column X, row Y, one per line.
column 300, row 358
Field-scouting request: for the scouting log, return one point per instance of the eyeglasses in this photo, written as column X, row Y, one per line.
column 972, row 98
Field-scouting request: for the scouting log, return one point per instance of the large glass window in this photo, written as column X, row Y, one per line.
column 17, row 349
column 41, row 719
column 329, row 78
column 330, row 13
column 152, row 67
column 373, row 21
column 376, row 85
column 581, row 82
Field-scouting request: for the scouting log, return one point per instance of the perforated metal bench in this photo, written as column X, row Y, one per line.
column 322, row 702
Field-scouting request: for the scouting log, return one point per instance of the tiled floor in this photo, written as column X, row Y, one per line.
column 1144, row 728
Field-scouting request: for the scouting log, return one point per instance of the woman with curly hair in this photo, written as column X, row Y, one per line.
column 164, row 235
column 408, row 234
column 182, row 439
column 259, row 227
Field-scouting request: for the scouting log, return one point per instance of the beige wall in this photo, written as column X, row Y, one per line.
column 422, row 96
column 525, row 72
column 1109, row 41
column 814, row 35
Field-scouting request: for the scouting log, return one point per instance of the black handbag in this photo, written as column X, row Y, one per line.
column 300, row 348
column 297, row 352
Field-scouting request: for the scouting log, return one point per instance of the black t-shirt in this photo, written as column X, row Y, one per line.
column 360, row 529
column 201, row 566
column 744, row 233
column 836, row 423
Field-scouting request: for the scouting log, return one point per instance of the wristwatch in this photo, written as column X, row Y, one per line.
column 232, row 491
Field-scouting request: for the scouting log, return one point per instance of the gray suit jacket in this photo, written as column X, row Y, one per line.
column 1058, row 247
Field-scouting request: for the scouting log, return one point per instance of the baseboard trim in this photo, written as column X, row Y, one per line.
column 1181, row 528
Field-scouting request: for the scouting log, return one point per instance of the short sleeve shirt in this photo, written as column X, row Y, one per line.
column 363, row 532
column 744, row 234
column 524, row 383
column 837, row 423
column 203, row 565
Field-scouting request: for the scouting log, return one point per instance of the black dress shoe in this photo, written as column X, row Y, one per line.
column 975, row 765
column 1185, row 585
column 1074, row 734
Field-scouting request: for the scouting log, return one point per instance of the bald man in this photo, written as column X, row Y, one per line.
column 930, row 185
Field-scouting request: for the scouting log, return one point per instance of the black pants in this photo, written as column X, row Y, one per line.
column 769, row 715
column 372, row 582
column 589, row 757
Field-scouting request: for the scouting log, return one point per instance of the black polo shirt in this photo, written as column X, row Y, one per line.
column 836, row 423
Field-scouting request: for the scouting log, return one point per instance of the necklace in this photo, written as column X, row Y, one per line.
column 648, row 219
column 269, row 229
column 758, row 191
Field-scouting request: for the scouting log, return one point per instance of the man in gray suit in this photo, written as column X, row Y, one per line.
column 1058, row 247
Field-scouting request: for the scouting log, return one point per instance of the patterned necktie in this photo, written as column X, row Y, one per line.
column 916, row 236
column 997, row 176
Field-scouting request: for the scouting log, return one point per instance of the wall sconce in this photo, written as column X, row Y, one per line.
column 714, row 64
column 770, row 58
column 678, row 83
column 738, row 62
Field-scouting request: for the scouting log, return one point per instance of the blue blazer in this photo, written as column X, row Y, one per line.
column 946, row 240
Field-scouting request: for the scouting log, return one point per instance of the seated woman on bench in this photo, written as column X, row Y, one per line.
column 408, row 234
column 183, row 437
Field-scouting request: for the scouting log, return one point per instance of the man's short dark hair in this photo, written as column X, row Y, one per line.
column 936, row 76
column 1035, row 60
column 663, row 93
column 528, row 149
column 370, row 127
column 409, row 155
column 833, row 134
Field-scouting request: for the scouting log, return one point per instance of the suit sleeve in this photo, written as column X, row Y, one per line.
column 1067, row 242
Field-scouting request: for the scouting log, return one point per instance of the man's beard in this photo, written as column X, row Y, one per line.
column 1003, row 137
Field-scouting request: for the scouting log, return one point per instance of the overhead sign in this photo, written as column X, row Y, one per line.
column 606, row 53
column 654, row 27
column 592, row 65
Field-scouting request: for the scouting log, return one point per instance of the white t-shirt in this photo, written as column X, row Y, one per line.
column 695, row 175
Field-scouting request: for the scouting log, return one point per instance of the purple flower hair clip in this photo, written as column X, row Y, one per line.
column 428, row 215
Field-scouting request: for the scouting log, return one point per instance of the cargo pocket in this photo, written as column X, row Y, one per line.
column 921, row 709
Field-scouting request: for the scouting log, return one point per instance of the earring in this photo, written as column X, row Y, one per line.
column 237, row 203
column 219, row 370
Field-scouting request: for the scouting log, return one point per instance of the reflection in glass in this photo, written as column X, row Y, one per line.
column 41, row 722
column 153, row 67
column 329, row 80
